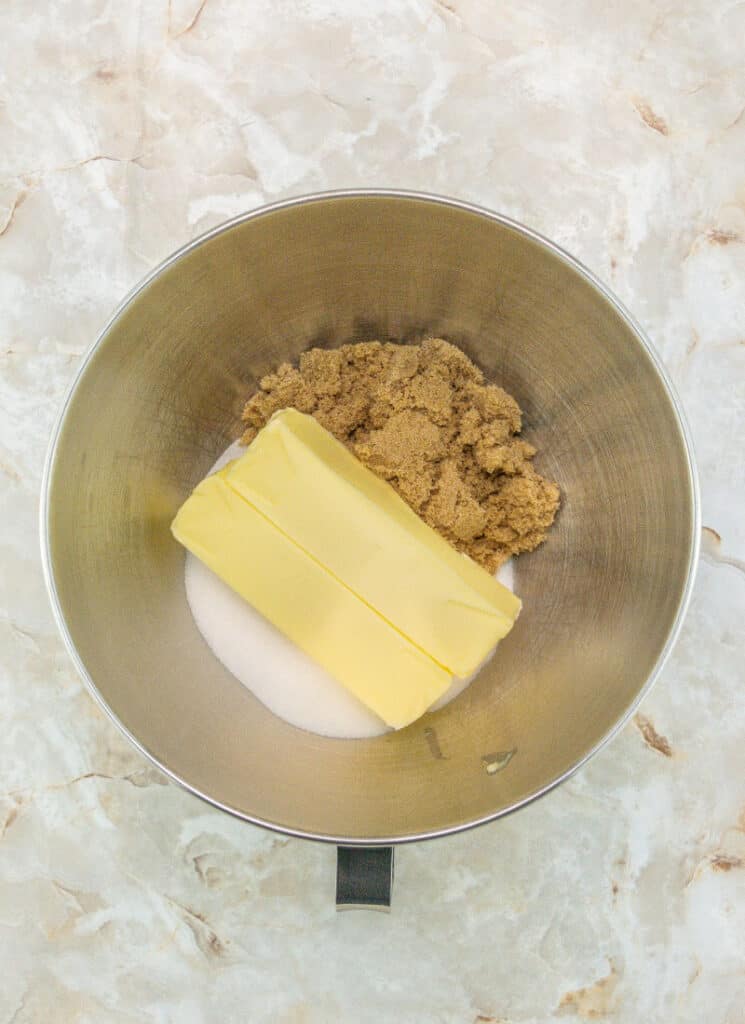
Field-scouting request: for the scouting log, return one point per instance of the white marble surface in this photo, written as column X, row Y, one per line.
column 618, row 130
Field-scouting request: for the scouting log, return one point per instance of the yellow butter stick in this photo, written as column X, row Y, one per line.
column 314, row 489
column 301, row 598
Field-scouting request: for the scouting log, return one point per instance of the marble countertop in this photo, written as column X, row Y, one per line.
column 619, row 131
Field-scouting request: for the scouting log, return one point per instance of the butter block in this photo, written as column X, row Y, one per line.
column 322, row 497
column 308, row 603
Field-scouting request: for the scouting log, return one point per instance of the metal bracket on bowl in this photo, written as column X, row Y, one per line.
column 364, row 877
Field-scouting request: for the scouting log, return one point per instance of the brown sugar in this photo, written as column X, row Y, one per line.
column 423, row 418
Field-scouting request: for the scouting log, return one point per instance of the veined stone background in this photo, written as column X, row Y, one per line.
column 617, row 130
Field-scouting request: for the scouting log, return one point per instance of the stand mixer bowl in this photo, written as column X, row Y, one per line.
column 159, row 396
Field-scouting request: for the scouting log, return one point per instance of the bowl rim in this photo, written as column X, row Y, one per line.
column 364, row 193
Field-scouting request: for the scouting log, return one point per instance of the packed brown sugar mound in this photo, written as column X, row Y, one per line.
column 423, row 418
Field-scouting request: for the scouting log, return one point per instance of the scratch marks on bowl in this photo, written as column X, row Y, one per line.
column 434, row 744
column 494, row 763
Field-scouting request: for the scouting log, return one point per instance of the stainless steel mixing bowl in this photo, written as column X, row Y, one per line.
column 160, row 395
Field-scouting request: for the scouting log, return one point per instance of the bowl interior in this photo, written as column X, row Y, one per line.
column 160, row 397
